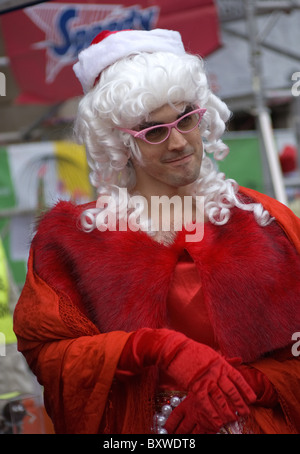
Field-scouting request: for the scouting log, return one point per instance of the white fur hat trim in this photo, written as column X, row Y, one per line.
column 95, row 58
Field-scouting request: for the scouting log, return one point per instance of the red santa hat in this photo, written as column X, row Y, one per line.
column 109, row 47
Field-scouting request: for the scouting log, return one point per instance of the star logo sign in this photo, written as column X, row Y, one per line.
column 67, row 33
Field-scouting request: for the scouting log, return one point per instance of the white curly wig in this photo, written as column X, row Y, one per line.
column 126, row 94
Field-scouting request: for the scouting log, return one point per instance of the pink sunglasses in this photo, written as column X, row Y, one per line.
column 159, row 133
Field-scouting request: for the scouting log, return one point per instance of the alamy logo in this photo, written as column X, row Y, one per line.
column 2, row 344
column 2, row 84
column 160, row 214
column 66, row 32
column 296, row 345
column 296, row 85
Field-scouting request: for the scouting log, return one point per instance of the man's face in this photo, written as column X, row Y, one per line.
column 170, row 166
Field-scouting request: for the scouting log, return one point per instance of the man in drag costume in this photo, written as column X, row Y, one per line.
column 139, row 330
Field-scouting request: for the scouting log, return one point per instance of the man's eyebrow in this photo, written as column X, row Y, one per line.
column 149, row 124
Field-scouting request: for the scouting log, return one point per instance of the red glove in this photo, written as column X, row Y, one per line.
column 216, row 390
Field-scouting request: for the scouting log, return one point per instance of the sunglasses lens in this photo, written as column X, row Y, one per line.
column 188, row 122
column 157, row 134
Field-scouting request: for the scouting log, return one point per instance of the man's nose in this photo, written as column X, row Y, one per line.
column 176, row 140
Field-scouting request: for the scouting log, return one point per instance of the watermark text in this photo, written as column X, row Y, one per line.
column 296, row 85
column 2, row 84
column 296, row 345
column 2, row 344
column 159, row 214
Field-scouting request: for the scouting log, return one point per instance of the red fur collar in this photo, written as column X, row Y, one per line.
column 249, row 274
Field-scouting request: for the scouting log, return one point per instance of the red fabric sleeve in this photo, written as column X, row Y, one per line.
column 266, row 395
column 72, row 361
column 284, row 374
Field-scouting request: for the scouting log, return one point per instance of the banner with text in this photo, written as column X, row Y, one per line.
column 42, row 41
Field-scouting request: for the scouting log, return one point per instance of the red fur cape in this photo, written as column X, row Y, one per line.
column 249, row 275
column 83, row 287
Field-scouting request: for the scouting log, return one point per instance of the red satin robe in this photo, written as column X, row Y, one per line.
column 72, row 330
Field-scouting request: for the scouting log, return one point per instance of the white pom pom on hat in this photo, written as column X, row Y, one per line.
column 109, row 47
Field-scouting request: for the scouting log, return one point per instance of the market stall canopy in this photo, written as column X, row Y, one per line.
column 42, row 41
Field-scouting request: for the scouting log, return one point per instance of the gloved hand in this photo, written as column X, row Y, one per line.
column 216, row 391
column 191, row 418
